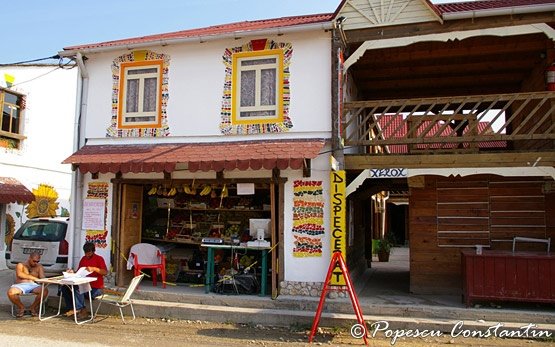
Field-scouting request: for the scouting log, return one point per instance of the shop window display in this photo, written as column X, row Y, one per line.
column 179, row 217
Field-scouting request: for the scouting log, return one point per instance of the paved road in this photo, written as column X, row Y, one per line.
column 17, row 341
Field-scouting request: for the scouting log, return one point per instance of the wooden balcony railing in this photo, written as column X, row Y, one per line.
column 502, row 122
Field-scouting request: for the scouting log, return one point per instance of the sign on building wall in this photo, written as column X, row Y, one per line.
column 308, row 218
column 338, row 224
column 393, row 172
column 93, row 214
column 95, row 222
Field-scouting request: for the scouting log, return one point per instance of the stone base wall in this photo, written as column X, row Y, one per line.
column 310, row 289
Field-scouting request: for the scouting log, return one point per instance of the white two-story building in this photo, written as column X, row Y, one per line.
column 38, row 108
column 194, row 134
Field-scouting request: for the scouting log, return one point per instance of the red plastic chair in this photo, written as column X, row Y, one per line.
column 146, row 256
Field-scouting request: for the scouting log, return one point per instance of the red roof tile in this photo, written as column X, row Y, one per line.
column 198, row 156
column 11, row 190
column 215, row 30
column 394, row 126
column 470, row 6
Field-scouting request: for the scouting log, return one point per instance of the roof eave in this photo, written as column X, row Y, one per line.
column 325, row 25
column 499, row 11
column 433, row 9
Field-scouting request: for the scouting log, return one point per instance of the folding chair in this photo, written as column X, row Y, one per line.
column 26, row 295
column 22, row 295
column 120, row 300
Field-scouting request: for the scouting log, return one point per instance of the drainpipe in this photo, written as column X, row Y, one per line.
column 3, row 229
column 76, row 176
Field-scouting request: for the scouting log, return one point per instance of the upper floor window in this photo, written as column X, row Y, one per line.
column 140, row 94
column 12, row 105
column 257, row 87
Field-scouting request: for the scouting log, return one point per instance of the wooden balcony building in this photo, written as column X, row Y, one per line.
column 453, row 106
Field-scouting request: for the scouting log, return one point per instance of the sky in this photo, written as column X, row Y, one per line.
column 37, row 29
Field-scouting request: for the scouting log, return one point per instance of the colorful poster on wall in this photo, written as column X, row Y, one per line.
column 308, row 218
column 97, row 233
column 338, row 224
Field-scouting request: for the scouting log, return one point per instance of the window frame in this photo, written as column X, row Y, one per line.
column 16, row 136
column 122, row 114
column 236, row 107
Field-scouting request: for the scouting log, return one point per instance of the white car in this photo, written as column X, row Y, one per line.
column 48, row 236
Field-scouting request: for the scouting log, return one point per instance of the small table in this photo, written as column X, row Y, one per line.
column 69, row 282
column 210, row 264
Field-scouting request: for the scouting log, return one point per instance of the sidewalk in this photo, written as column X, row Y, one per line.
column 383, row 295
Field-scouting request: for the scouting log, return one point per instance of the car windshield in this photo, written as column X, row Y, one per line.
column 42, row 231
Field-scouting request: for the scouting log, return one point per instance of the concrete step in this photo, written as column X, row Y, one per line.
column 372, row 307
column 401, row 320
column 288, row 310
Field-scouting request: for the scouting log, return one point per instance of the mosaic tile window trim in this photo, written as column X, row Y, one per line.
column 113, row 130
column 226, row 126
column 308, row 218
column 98, row 190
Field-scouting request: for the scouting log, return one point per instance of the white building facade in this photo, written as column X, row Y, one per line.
column 243, row 107
column 38, row 103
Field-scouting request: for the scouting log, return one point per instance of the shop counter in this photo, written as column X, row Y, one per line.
column 210, row 264
column 508, row 276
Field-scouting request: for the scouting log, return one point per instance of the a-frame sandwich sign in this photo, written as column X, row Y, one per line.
column 338, row 261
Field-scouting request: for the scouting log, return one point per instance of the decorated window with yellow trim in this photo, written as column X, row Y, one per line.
column 257, row 87
column 140, row 94
column 12, row 105
column 256, row 90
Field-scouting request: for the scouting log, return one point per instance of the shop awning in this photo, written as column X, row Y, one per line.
column 11, row 191
column 197, row 156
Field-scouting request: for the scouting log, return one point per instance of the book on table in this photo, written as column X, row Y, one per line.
column 74, row 277
column 82, row 272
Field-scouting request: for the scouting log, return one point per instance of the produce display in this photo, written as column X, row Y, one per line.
column 232, row 230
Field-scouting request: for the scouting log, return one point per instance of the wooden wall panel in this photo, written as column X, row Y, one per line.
column 451, row 256
column 426, row 257
column 484, row 227
column 470, row 211
column 550, row 216
column 464, row 216
column 517, row 208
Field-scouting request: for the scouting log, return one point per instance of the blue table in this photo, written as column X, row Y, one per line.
column 209, row 280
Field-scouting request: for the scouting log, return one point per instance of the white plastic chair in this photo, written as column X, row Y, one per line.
column 121, row 300
column 143, row 256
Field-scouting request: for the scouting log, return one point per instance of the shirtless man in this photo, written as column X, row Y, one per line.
column 25, row 275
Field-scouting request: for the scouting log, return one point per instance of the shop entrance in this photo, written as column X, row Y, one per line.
column 129, row 229
column 181, row 217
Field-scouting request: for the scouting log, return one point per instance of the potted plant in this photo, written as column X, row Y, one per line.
column 384, row 247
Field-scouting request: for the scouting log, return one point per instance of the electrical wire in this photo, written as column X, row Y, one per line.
column 33, row 60
column 61, row 65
